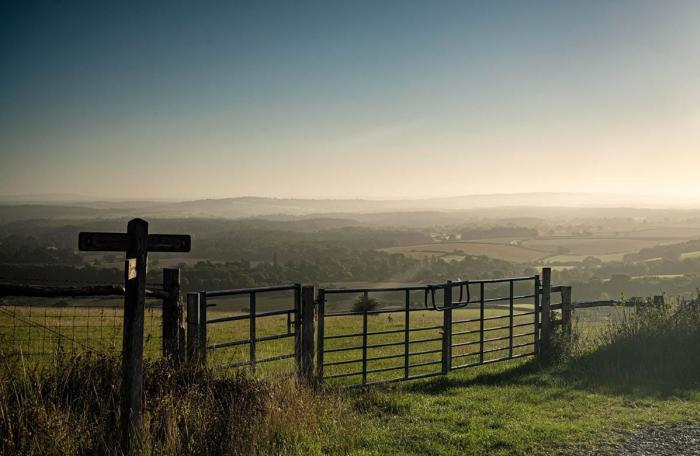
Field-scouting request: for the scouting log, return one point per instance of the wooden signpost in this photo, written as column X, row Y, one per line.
column 136, row 242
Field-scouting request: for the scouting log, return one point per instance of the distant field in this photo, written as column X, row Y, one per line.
column 593, row 246
column 498, row 251
column 546, row 250
column 579, row 258
column 683, row 232
column 690, row 255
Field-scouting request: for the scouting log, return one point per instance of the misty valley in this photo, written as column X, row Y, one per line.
column 605, row 253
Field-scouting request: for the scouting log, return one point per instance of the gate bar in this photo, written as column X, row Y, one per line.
column 447, row 328
column 364, row 337
column 321, row 316
column 481, row 322
column 252, row 330
column 510, row 320
column 406, row 335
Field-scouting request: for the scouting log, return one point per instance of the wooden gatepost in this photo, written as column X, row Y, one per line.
column 136, row 242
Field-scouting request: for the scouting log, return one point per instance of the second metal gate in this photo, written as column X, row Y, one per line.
column 378, row 335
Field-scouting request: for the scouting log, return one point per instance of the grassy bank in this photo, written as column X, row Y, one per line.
column 642, row 369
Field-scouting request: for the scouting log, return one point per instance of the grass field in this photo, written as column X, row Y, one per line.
column 690, row 255
column 499, row 251
column 592, row 246
column 38, row 329
column 542, row 249
column 554, row 259
column 513, row 407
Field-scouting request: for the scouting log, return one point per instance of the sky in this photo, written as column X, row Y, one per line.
column 188, row 100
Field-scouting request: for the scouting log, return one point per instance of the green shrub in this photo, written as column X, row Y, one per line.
column 365, row 303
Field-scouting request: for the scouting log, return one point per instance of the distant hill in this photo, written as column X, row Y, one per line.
column 376, row 211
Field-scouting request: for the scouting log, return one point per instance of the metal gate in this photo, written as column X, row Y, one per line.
column 370, row 336
column 234, row 335
column 493, row 320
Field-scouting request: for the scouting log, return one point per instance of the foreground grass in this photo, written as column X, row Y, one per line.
column 643, row 370
column 72, row 408
column 512, row 408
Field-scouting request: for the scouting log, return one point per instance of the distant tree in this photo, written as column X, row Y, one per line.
column 363, row 303
column 592, row 261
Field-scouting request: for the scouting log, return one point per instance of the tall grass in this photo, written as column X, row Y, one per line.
column 72, row 408
column 649, row 344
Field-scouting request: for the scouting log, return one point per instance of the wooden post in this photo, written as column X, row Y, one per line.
column 306, row 369
column 546, row 313
column 566, row 309
column 136, row 242
column 132, row 351
column 321, row 303
column 296, row 323
column 172, row 315
column 193, row 327
column 181, row 332
column 447, row 329
column 536, row 303
column 202, row 344
column 658, row 301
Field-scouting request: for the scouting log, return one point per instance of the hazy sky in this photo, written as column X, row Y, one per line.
column 349, row 99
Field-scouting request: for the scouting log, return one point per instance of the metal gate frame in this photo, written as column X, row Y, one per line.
column 511, row 298
column 447, row 328
column 293, row 321
column 310, row 308
column 406, row 343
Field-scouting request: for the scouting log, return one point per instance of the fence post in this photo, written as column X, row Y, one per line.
column 536, row 304
column 203, row 327
column 321, row 302
column 172, row 315
column 658, row 301
column 447, row 329
column 296, row 324
column 192, row 327
column 306, row 369
column 566, row 309
column 546, row 314
column 132, row 350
